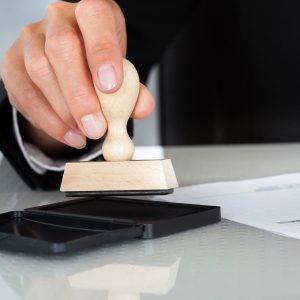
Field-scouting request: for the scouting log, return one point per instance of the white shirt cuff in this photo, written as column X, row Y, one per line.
column 42, row 163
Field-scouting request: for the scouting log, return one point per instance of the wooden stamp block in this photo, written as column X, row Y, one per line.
column 127, row 176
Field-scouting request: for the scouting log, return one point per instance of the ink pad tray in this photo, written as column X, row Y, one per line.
column 91, row 222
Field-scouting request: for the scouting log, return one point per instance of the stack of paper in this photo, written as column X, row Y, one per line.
column 271, row 203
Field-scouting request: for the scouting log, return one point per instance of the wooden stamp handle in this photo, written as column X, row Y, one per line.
column 117, row 108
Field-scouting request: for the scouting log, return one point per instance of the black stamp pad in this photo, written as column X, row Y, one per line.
column 88, row 222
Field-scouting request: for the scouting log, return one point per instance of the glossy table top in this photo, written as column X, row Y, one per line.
column 222, row 261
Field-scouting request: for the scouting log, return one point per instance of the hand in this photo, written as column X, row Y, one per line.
column 51, row 69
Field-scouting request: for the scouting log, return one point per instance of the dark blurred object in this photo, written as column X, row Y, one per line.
column 151, row 26
column 232, row 75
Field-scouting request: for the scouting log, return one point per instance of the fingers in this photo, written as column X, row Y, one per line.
column 65, row 52
column 41, row 73
column 103, row 50
column 27, row 99
column 145, row 104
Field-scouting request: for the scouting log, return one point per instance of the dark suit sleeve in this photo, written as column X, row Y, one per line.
column 11, row 150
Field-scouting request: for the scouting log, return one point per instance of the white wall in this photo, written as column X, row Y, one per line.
column 14, row 14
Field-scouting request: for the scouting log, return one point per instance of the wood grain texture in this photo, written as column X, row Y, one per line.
column 117, row 109
column 114, row 176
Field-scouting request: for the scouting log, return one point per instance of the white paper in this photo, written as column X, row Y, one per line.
column 270, row 203
column 148, row 152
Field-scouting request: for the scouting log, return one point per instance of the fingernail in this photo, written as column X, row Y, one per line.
column 107, row 77
column 93, row 126
column 74, row 140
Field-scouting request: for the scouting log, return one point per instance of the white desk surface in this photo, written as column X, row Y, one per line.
column 222, row 261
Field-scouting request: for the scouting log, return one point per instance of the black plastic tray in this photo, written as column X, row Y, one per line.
column 85, row 222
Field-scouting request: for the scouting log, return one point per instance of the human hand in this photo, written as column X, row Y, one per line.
column 51, row 69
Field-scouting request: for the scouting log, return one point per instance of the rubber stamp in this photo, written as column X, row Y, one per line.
column 118, row 174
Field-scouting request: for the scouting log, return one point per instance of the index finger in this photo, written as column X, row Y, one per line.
column 99, row 28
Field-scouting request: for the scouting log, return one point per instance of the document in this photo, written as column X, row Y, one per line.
column 270, row 203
